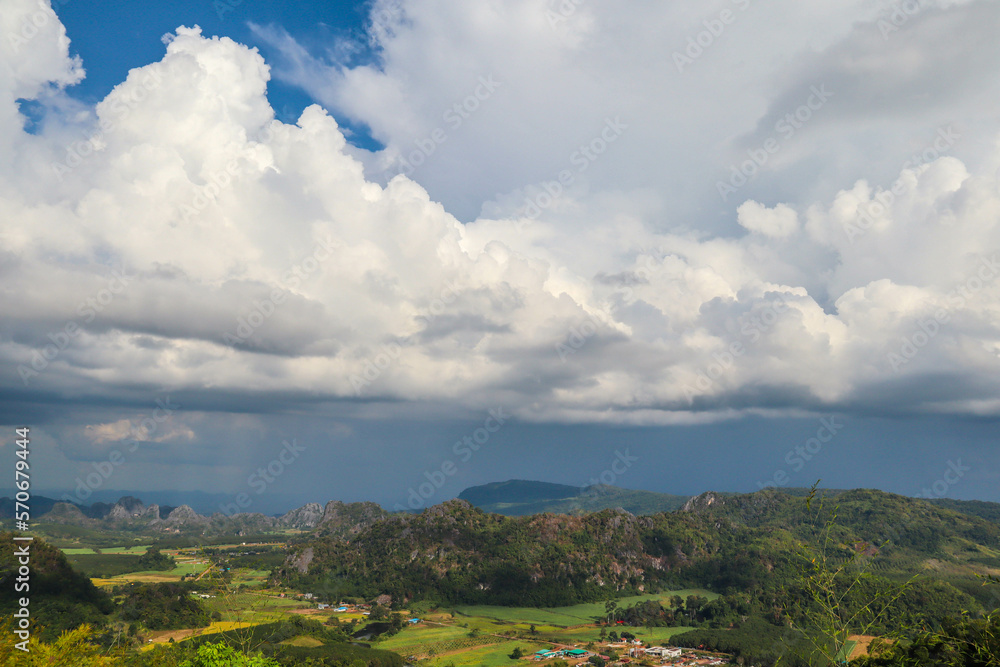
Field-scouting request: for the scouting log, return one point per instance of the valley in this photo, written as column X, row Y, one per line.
column 731, row 577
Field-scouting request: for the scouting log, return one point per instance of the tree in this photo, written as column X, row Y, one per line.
column 73, row 647
column 532, row 629
column 831, row 572
column 694, row 603
column 610, row 608
column 221, row 655
column 517, row 654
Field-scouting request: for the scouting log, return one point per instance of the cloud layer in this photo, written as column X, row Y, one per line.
column 178, row 239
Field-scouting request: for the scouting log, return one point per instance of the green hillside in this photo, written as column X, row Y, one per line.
column 61, row 598
column 736, row 545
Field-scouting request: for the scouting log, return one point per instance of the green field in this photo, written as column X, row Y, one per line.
column 487, row 656
column 132, row 551
column 421, row 634
column 568, row 616
column 252, row 607
column 119, row 551
column 104, row 565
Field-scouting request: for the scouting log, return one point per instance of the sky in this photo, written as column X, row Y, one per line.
column 308, row 251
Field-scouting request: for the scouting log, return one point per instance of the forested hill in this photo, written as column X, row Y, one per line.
column 982, row 509
column 865, row 514
column 61, row 598
column 456, row 553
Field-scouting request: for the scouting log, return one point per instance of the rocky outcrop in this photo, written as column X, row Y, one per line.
column 185, row 516
column 344, row 520
column 702, row 502
column 304, row 518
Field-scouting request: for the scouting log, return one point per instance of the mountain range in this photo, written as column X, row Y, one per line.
column 458, row 554
column 509, row 498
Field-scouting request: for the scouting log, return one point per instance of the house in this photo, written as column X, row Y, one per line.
column 413, row 621
column 341, row 609
column 576, row 653
column 308, row 596
column 663, row 652
column 322, row 606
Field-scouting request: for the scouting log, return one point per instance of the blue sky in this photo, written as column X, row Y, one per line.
column 124, row 35
column 690, row 234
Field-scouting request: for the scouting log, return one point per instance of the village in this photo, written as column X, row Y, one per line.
column 615, row 650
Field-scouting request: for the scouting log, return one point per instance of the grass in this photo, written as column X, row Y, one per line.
column 496, row 655
column 151, row 576
column 216, row 627
column 105, row 565
column 132, row 551
column 302, row 640
column 444, row 644
column 524, row 615
column 410, row 638
column 569, row 616
column 658, row 635
column 252, row 607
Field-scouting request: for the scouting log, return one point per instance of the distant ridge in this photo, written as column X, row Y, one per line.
column 517, row 491
column 130, row 513
column 519, row 497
